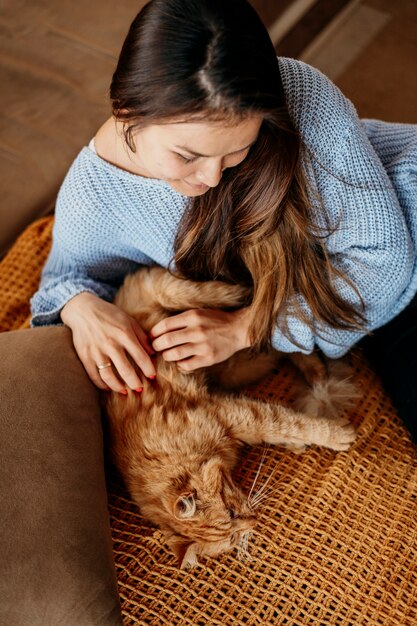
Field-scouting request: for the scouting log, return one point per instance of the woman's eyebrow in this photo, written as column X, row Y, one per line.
column 198, row 154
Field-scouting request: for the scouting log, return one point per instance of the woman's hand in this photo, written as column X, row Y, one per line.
column 105, row 336
column 201, row 337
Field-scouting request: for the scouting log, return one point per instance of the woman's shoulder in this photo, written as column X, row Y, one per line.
column 303, row 80
column 96, row 196
column 313, row 100
column 88, row 185
column 93, row 180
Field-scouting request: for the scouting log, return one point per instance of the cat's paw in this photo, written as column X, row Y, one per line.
column 339, row 434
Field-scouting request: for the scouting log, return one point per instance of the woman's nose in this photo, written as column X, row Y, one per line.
column 210, row 173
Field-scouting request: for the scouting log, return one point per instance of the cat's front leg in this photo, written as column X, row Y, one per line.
column 254, row 422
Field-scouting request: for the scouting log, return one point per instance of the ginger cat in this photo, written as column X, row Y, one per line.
column 177, row 443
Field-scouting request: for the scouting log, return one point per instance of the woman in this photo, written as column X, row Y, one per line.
column 231, row 164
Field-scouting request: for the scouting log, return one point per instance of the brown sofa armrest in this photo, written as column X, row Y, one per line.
column 56, row 563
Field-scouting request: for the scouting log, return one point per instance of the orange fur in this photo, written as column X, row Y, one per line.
column 177, row 443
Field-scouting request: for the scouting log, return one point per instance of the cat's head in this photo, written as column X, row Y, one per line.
column 206, row 514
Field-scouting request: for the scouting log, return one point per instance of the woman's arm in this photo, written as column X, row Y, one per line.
column 89, row 258
column 371, row 244
column 72, row 291
column 64, row 277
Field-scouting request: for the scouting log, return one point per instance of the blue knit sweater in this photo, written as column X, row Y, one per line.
column 108, row 221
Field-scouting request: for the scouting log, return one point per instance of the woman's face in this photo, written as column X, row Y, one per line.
column 191, row 156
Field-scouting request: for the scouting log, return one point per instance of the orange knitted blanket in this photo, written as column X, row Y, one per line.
column 336, row 540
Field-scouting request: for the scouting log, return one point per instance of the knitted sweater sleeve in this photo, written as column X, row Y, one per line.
column 88, row 252
column 64, row 276
column 371, row 244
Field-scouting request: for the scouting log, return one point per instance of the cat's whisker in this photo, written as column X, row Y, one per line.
column 261, row 496
column 261, row 462
column 261, row 490
column 259, row 502
column 256, row 504
column 264, row 496
column 243, row 553
column 266, row 493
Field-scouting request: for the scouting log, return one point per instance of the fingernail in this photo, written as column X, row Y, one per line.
column 123, row 392
column 139, row 390
column 152, row 377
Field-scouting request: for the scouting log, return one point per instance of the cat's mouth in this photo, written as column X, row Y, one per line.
column 236, row 529
column 238, row 536
column 237, row 540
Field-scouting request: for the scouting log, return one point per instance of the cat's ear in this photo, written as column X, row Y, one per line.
column 185, row 506
column 212, row 474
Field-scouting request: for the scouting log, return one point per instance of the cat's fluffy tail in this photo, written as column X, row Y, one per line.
column 331, row 396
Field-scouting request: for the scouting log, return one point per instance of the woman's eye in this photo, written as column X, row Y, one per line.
column 186, row 159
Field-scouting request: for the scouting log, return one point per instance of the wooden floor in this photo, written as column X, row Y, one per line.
column 270, row 10
column 381, row 78
column 297, row 22
column 367, row 47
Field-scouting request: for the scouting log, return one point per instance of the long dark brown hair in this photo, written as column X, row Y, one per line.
column 214, row 60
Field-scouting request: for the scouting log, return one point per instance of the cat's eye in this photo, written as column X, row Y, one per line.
column 185, row 506
column 232, row 513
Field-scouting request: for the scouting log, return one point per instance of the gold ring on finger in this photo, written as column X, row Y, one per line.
column 102, row 366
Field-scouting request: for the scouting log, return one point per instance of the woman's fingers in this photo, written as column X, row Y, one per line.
column 118, row 370
column 175, row 338
column 191, row 364
column 121, row 374
column 169, row 324
column 90, row 359
column 201, row 337
column 105, row 336
column 111, row 380
column 179, row 353
column 95, row 374
column 131, row 363
column 143, row 338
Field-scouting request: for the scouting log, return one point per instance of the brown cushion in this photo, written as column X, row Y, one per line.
column 56, row 561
